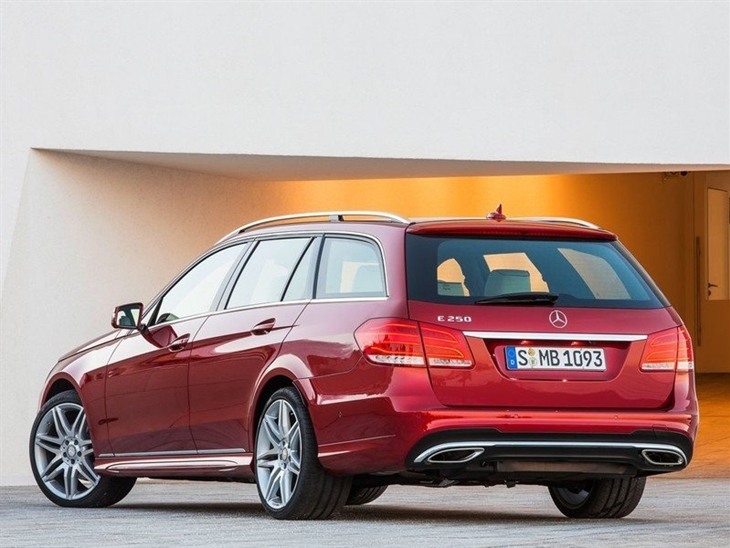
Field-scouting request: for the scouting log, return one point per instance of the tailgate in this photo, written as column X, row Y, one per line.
column 611, row 340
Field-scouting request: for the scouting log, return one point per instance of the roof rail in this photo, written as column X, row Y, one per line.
column 333, row 216
column 558, row 220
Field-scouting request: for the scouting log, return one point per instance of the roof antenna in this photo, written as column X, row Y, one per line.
column 497, row 214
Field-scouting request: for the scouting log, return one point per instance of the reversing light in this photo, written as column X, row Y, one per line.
column 445, row 347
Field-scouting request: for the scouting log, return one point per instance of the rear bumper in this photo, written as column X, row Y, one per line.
column 395, row 441
column 387, row 429
column 641, row 452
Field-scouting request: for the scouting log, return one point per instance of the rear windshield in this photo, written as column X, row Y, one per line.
column 573, row 273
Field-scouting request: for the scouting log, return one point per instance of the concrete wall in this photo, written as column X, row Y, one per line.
column 606, row 82
column 94, row 233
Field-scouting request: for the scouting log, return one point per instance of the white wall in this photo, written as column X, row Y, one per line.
column 91, row 234
column 641, row 82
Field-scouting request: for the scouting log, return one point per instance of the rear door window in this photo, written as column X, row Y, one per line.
column 581, row 273
column 267, row 272
column 350, row 268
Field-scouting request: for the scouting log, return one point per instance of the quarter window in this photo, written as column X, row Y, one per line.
column 195, row 293
column 350, row 268
column 267, row 272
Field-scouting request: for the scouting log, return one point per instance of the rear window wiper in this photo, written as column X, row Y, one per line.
column 534, row 297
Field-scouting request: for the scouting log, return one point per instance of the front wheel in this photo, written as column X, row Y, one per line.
column 290, row 481
column 62, row 457
column 603, row 498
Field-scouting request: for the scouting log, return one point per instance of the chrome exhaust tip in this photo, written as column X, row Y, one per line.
column 457, row 455
column 663, row 457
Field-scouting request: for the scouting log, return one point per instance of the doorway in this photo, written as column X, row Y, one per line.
column 712, row 236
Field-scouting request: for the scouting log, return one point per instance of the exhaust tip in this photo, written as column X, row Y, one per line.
column 663, row 457
column 455, row 456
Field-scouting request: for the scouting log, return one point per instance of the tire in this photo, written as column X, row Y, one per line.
column 363, row 495
column 599, row 499
column 291, row 482
column 62, row 457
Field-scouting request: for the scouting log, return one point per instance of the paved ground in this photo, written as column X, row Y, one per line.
column 672, row 513
column 690, row 508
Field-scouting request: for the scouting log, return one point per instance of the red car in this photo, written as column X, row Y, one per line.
column 327, row 356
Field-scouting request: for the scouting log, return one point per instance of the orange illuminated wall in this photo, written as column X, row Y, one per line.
column 651, row 213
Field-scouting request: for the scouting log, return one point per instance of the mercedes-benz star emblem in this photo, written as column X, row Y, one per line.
column 558, row 319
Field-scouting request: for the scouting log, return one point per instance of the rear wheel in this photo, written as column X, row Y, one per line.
column 603, row 498
column 364, row 495
column 291, row 482
column 62, row 457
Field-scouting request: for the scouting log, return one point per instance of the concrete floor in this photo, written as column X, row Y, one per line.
column 691, row 508
column 672, row 513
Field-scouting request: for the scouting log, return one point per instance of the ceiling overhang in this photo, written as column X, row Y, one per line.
column 253, row 167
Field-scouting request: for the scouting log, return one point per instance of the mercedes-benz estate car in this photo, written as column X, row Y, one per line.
column 324, row 357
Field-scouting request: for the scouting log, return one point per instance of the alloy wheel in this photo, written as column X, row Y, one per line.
column 64, row 457
column 278, row 453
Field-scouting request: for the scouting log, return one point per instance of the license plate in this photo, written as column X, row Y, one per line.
column 553, row 358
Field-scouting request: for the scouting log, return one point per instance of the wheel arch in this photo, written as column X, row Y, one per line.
column 272, row 385
column 57, row 385
column 275, row 379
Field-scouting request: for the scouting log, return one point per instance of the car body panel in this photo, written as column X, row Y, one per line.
column 147, row 390
column 228, row 354
column 490, row 329
column 86, row 371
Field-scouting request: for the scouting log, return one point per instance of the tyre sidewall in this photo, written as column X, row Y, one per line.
column 310, row 469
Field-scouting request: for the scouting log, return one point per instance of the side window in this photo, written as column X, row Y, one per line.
column 267, row 272
column 350, row 268
column 196, row 291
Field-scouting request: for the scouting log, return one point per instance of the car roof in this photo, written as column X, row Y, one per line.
column 495, row 224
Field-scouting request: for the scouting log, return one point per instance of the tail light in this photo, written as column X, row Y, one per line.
column 669, row 350
column 392, row 341
column 685, row 354
column 445, row 347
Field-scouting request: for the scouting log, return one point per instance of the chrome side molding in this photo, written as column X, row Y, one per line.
column 228, row 463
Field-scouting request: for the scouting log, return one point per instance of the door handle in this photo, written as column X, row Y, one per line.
column 264, row 327
column 178, row 344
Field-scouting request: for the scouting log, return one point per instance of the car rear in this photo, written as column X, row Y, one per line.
column 548, row 351
column 558, row 327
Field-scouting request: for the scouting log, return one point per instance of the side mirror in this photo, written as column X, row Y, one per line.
column 127, row 316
